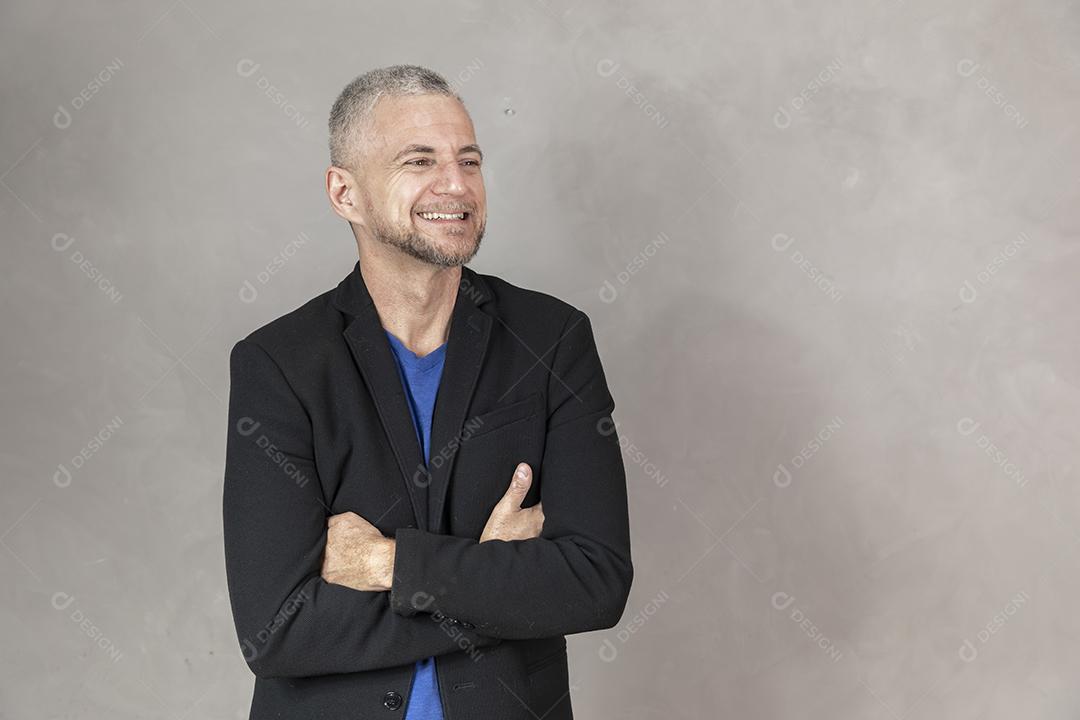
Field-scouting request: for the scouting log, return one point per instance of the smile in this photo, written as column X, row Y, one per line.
column 444, row 217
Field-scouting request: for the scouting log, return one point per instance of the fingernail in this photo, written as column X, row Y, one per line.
column 521, row 471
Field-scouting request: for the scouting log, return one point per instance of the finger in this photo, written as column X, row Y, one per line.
column 519, row 485
column 341, row 517
column 522, row 479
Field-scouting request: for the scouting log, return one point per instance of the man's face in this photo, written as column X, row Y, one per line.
column 421, row 157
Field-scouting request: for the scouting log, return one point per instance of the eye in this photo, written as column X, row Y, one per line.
column 418, row 161
column 475, row 163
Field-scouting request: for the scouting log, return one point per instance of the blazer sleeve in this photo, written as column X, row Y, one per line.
column 576, row 576
column 291, row 622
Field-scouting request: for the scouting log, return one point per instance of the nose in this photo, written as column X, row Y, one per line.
column 451, row 180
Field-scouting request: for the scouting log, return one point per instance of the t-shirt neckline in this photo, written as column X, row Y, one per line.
column 419, row 362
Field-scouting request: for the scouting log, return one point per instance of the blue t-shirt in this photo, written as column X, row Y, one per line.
column 420, row 376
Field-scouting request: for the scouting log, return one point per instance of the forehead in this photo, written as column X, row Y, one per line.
column 434, row 120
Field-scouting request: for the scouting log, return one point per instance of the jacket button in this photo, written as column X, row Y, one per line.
column 392, row 700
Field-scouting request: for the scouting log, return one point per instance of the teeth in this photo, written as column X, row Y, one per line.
column 442, row 216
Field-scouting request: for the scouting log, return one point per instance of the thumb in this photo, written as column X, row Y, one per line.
column 520, row 483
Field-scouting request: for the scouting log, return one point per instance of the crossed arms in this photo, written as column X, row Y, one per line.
column 574, row 577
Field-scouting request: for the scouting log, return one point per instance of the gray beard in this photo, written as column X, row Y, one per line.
column 418, row 246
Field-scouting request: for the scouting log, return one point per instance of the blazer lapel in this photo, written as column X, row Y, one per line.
column 466, row 345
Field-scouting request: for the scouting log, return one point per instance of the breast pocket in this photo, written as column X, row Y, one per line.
column 501, row 418
column 492, row 444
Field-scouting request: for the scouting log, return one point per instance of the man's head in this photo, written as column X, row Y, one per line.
column 402, row 146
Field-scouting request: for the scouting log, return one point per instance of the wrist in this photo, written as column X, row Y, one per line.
column 386, row 580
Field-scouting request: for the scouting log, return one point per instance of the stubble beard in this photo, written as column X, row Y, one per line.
column 417, row 245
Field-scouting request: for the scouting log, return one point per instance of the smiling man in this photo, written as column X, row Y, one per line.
column 424, row 491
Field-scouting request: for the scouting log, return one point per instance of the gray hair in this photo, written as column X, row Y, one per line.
column 353, row 111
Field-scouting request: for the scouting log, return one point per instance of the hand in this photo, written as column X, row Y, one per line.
column 357, row 554
column 510, row 521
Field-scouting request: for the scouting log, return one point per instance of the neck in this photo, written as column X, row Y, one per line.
column 415, row 300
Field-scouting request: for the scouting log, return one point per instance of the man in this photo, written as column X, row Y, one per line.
column 381, row 561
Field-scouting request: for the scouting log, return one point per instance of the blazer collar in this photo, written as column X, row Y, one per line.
column 470, row 329
column 352, row 295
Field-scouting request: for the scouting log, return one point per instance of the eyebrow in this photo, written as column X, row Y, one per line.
column 409, row 149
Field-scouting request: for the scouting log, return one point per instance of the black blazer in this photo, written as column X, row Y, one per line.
column 319, row 425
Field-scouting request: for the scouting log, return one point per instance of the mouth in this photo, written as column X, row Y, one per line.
column 444, row 218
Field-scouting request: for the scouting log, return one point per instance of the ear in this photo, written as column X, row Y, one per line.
column 342, row 192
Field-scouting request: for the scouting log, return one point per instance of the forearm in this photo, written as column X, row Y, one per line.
column 327, row 629
column 512, row 590
column 292, row 622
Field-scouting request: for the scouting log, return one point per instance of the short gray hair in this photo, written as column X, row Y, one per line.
column 352, row 113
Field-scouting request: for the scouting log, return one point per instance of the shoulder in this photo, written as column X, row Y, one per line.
column 300, row 332
column 515, row 302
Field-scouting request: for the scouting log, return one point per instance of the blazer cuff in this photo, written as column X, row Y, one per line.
column 406, row 598
column 412, row 590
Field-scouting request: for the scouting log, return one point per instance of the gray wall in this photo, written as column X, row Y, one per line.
column 830, row 251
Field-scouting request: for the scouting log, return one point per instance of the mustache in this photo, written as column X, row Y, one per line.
column 450, row 209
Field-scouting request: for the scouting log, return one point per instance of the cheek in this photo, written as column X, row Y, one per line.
column 405, row 204
column 400, row 195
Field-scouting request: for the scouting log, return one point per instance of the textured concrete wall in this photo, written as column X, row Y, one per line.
column 830, row 251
